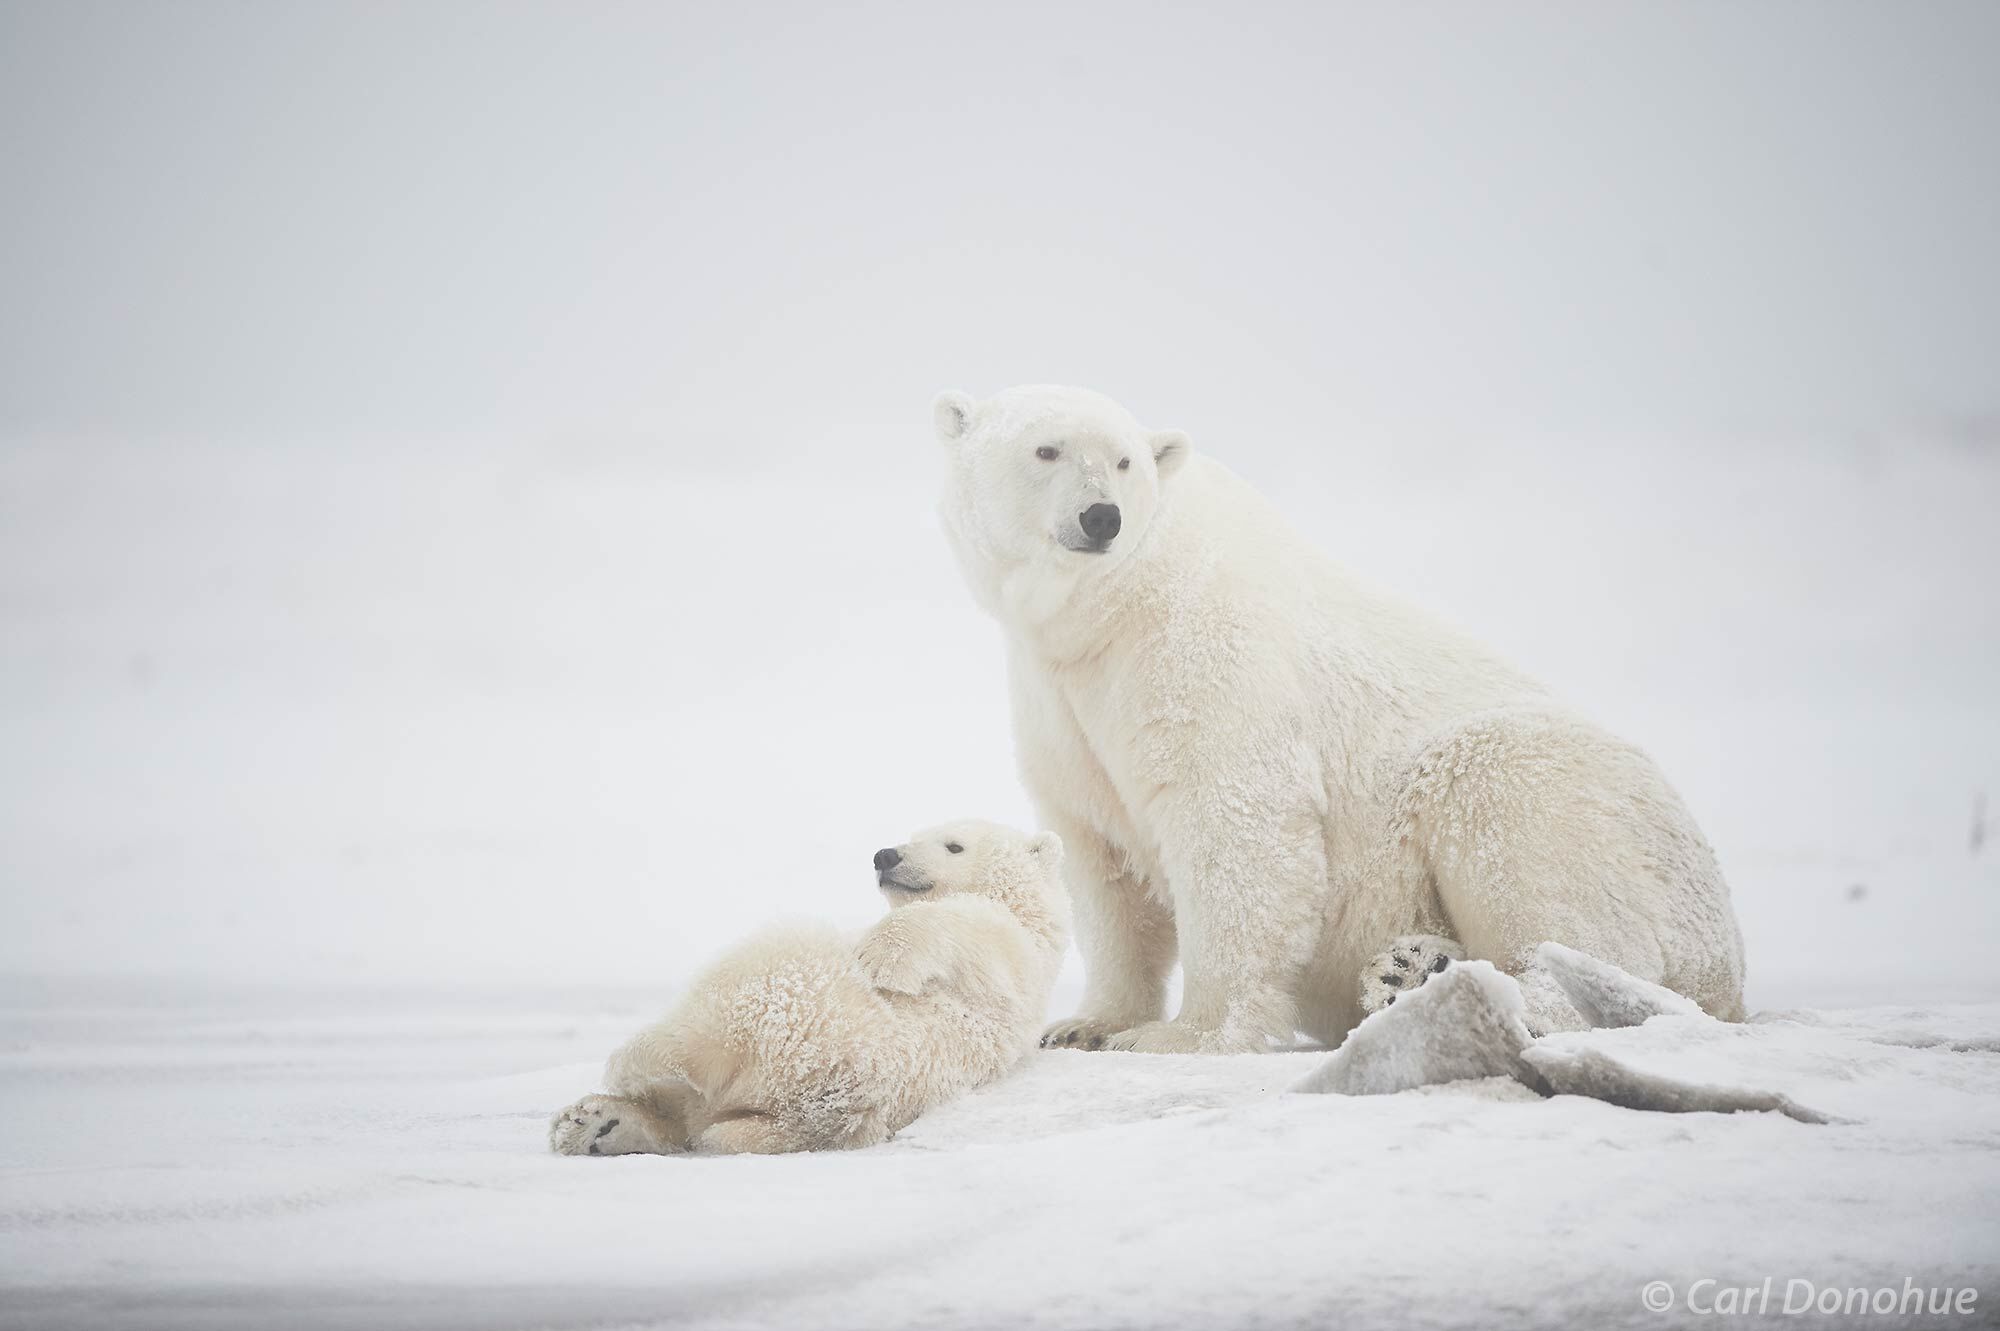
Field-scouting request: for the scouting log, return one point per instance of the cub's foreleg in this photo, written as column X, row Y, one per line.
column 952, row 941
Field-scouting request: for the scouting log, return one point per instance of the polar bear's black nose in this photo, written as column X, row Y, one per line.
column 1100, row 522
column 886, row 859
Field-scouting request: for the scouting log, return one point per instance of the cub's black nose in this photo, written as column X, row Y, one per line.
column 1100, row 522
column 886, row 859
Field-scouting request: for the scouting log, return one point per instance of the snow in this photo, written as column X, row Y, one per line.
column 395, row 821
column 466, row 557
column 345, row 1161
column 404, row 785
column 1466, row 1023
column 1602, row 994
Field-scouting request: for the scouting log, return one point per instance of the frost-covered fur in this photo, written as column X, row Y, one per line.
column 1264, row 765
column 800, row 1040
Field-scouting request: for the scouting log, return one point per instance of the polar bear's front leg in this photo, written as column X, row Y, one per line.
column 1248, row 872
column 1126, row 935
column 611, row 1125
column 929, row 942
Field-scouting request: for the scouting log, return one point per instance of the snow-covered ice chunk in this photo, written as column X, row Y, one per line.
column 1577, row 1070
column 1464, row 1022
column 1604, row 995
column 1470, row 1022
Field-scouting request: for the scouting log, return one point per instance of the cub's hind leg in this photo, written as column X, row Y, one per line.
column 749, row 1132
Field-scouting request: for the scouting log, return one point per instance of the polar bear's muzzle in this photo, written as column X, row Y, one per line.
column 1097, row 526
column 891, row 874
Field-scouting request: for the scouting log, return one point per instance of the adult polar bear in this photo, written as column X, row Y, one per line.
column 1294, row 781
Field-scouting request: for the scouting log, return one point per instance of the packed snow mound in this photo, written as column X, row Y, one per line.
column 1604, row 995
column 1657, row 1052
column 1466, row 1021
column 1594, row 1073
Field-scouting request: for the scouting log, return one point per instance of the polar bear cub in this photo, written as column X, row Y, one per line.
column 800, row 1040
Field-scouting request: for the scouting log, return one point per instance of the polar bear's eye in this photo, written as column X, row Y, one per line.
column 1047, row 452
column 953, row 847
column 1124, row 464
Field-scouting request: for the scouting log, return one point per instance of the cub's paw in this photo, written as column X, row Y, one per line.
column 1410, row 961
column 1080, row 1033
column 602, row 1125
column 889, row 961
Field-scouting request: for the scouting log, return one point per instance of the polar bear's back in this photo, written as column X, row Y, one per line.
column 1393, row 669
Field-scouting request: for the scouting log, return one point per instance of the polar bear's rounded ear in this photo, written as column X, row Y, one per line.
column 1170, row 449
column 953, row 412
column 1047, row 845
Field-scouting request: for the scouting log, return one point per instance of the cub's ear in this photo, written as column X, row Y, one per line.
column 1170, row 449
column 1047, row 845
column 953, row 412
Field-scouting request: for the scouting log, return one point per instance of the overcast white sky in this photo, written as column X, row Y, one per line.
column 725, row 228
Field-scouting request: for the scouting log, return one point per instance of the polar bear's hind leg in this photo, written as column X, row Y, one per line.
column 1538, row 827
column 1407, row 963
column 753, row 1132
column 611, row 1125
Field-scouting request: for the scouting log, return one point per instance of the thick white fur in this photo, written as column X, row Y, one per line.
column 1264, row 765
column 801, row 1040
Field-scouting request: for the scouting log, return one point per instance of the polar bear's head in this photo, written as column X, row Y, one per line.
column 1051, row 485
column 970, row 857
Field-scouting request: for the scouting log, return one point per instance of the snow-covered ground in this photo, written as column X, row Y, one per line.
column 379, row 1161
column 397, row 785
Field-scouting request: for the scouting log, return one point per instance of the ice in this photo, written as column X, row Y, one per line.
column 1604, row 995
column 1594, row 1073
column 1465, row 1022
column 1652, row 1050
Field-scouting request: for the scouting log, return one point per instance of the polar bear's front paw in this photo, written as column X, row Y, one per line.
column 1175, row 1037
column 1410, row 961
column 602, row 1125
column 1080, row 1033
column 889, row 961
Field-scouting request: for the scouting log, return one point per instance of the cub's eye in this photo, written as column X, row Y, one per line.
column 1124, row 464
column 1047, row 452
column 953, row 847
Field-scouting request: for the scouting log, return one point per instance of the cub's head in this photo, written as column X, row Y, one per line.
column 975, row 858
column 1051, row 484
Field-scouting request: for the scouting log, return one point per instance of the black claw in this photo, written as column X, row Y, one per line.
column 1096, row 1042
column 594, row 1150
column 610, row 1124
column 1391, row 1002
column 1440, row 964
column 1393, row 981
column 1402, row 962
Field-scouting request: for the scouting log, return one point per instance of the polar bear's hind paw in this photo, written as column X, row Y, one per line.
column 1410, row 961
